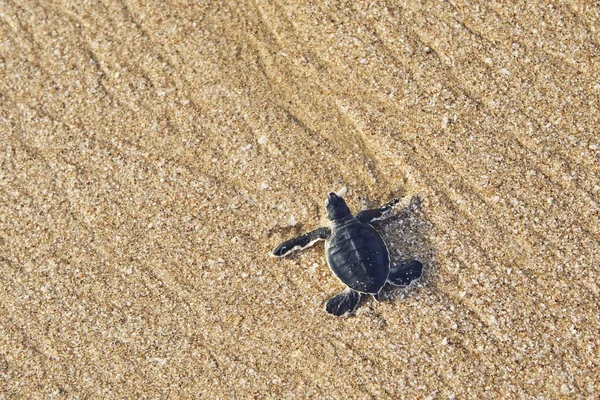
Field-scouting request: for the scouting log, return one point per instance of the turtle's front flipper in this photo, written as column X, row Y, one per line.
column 344, row 303
column 301, row 242
column 376, row 214
column 405, row 274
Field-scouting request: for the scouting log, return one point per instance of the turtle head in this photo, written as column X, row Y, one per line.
column 336, row 207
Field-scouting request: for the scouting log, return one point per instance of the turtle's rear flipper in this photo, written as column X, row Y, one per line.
column 405, row 274
column 344, row 303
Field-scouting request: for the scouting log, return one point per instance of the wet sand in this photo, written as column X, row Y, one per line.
column 152, row 154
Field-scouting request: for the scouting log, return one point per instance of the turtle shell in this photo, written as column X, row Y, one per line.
column 357, row 255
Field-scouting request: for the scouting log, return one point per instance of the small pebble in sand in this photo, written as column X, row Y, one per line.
column 160, row 361
column 292, row 221
column 264, row 185
column 262, row 140
column 445, row 121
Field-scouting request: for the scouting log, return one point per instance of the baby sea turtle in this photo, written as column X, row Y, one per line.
column 356, row 254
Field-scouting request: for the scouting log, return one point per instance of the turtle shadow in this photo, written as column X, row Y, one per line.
column 407, row 238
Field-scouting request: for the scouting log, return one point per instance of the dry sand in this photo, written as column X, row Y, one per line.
column 152, row 154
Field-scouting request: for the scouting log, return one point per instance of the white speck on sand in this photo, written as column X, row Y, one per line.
column 445, row 121
column 160, row 361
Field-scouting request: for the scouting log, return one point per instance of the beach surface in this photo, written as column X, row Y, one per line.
column 152, row 154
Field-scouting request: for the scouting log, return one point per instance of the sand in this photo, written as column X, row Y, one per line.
column 152, row 154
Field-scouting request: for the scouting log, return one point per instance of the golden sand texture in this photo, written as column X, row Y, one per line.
column 153, row 153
